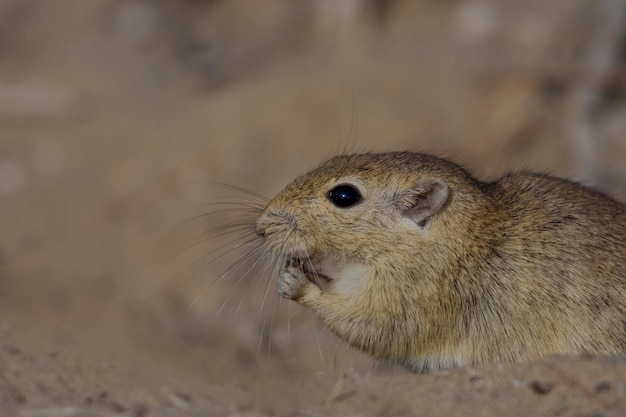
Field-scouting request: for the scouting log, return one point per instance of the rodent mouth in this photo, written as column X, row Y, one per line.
column 306, row 265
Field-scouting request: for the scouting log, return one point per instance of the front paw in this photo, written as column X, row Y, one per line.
column 292, row 280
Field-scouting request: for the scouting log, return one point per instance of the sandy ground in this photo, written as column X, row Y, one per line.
column 118, row 118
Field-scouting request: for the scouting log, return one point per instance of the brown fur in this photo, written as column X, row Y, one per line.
column 504, row 271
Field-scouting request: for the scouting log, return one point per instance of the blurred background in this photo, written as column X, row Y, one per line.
column 116, row 116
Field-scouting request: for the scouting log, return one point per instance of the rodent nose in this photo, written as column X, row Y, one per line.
column 271, row 222
column 260, row 227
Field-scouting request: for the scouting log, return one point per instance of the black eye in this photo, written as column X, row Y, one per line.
column 344, row 196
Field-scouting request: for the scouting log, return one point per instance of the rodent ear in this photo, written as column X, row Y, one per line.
column 426, row 198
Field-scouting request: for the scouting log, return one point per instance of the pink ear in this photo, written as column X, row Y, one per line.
column 430, row 196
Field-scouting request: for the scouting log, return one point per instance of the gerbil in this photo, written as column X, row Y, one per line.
column 409, row 258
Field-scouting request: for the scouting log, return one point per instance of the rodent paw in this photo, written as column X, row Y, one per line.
column 292, row 279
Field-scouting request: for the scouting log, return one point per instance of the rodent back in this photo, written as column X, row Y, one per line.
column 573, row 231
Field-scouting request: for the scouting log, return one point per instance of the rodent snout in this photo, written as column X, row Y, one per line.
column 263, row 223
column 269, row 222
column 278, row 231
column 260, row 228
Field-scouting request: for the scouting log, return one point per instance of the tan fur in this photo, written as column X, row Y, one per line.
column 504, row 271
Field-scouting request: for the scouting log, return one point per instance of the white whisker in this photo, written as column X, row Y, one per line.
column 250, row 193
column 265, row 292
column 235, row 205
column 269, row 340
column 273, row 271
column 229, row 250
column 262, row 329
column 203, row 292
column 205, row 240
column 317, row 339
column 244, row 258
column 243, row 276
column 335, row 354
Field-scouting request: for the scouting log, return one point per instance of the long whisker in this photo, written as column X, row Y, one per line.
column 227, row 271
column 243, row 190
column 317, row 339
column 265, row 292
column 243, row 229
column 335, row 355
column 247, row 255
column 264, row 321
column 251, row 205
column 207, row 239
column 229, row 250
column 244, row 275
column 269, row 339
column 353, row 122
column 207, row 181
column 244, row 258
column 242, row 212
column 317, row 335
column 280, row 259
column 250, row 254
column 233, row 225
column 271, row 263
column 230, row 212
column 277, row 262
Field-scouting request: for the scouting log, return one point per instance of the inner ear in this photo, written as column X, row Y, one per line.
column 426, row 199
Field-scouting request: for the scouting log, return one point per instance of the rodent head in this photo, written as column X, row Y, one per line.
column 364, row 208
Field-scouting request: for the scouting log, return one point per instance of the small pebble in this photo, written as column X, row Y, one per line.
column 602, row 386
column 541, row 387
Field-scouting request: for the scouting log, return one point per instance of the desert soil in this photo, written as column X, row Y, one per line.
column 118, row 118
